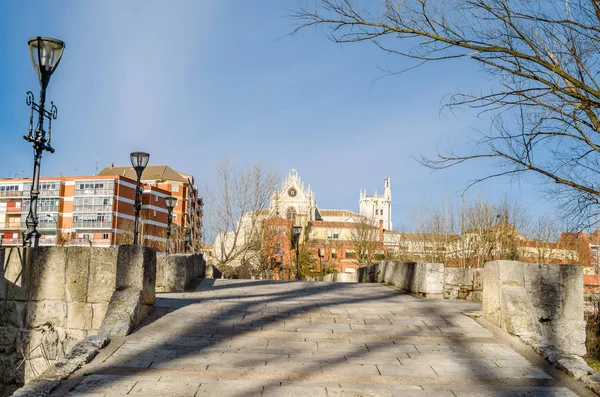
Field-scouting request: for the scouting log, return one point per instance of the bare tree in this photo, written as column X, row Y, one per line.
column 236, row 208
column 545, row 55
column 365, row 239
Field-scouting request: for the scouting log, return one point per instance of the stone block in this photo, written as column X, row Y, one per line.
column 136, row 268
column 124, row 313
column 9, row 314
column 102, row 274
column 16, row 273
column 49, row 311
column 78, row 263
column 47, row 273
column 79, row 315
column 491, row 291
column 8, row 339
column 515, row 311
column 98, row 313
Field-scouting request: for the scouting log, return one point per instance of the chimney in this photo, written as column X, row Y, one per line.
column 112, row 165
column 381, row 231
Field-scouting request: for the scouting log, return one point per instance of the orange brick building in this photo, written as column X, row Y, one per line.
column 97, row 211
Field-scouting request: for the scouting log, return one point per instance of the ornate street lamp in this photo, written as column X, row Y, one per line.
column 45, row 55
column 170, row 202
column 321, row 255
column 139, row 161
column 296, row 231
column 186, row 240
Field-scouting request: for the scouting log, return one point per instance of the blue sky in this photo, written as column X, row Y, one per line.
column 192, row 82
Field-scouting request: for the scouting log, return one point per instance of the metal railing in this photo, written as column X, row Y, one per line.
column 94, row 192
column 85, row 242
column 43, row 208
column 43, row 193
column 11, row 193
column 92, row 225
column 92, row 208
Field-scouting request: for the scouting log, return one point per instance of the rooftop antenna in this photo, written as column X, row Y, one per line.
column 96, row 169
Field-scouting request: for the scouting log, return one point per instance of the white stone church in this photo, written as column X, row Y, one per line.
column 294, row 199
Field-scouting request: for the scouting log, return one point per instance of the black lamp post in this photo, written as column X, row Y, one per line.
column 45, row 55
column 170, row 202
column 139, row 161
column 186, row 240
column 321, row 255
column 297, row 230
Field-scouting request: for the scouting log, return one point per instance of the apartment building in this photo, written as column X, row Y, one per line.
column 188, row 213
column 83, row 210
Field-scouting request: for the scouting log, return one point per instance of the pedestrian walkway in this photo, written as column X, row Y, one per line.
column 267, row 338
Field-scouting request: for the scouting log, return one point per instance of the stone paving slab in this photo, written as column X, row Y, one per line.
column 234, row 338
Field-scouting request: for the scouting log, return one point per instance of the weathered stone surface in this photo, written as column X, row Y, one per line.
column 213, row 272
column 9, row 314
column 16, row 273
column 103, row 274
column 136, row 268
column 79, row 315
column 8, row 339
column 78, row 262
column 542, row 303
column 123, row 314
column 47, row 270
column 48, row 311
column 98, row 313
column 37, row 388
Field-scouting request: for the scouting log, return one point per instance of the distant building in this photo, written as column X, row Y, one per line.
column 327, row 230
column 98, row 210
column 378, row 208
column 82, row 210
column 188, row 212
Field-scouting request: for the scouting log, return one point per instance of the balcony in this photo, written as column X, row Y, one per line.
column 43, row 208
column 94, row 192
column 12, row 226
column 11, row 193
column 93, row 208
column 85, row 242
column 10, row 242
column 92, row 225
column 43, row 193
column 14, row 209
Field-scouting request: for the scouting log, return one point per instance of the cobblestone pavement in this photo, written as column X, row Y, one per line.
column 265, row 338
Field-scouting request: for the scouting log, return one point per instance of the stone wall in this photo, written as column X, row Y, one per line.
column 53, row 297
column 213, row 272
column 542, row 304
column 463, row 283
column 175, row 272
column 426, row 279
column 431, row 280
column 340, row 277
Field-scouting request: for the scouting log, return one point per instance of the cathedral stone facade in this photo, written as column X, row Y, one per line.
column 378, row 208
column 293, row 199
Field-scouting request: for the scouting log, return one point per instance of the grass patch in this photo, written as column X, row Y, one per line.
column 594, row 363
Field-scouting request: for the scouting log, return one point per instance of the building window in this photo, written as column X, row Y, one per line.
column 155, row 213
column 291, row 213
column 333, row 254
column 174, row 188
column 335, row 235
column 174, row 217
column 155, row 199
column 594, row 253
column 105, row 236
column 350, row 254
column 153, row 228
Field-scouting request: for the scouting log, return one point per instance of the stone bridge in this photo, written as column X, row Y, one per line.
column 265, row 338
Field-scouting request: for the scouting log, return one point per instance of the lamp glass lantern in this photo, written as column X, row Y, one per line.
column 45, row 54
column 170, row 202
column 139, row 161
column 186, row 237
column 297, row 230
